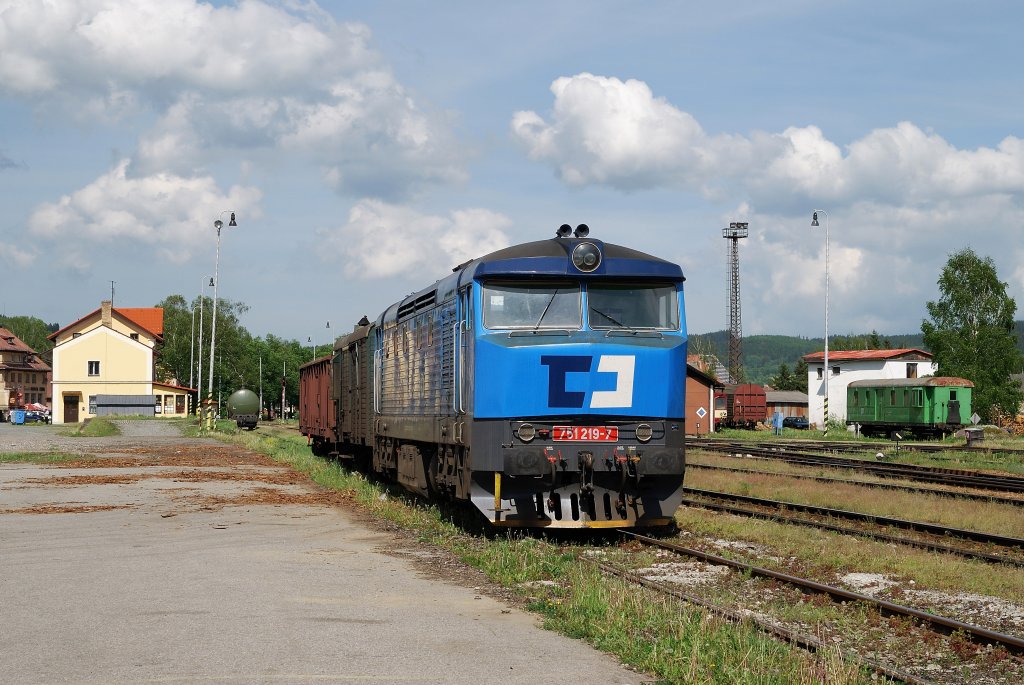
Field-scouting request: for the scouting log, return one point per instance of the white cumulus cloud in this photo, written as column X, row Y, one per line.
column 605, row 131
column 238, row 77
column 168, row 213
column 382, row 240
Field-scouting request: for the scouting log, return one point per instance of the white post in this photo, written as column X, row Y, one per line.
column 827, row 371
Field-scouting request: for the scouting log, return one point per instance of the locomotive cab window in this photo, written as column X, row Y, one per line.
column 554, row 304
column 632, row 306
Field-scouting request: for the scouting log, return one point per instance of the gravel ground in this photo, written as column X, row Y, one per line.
column 157, row 558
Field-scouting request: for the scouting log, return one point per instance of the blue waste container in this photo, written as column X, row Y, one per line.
column 18, row 416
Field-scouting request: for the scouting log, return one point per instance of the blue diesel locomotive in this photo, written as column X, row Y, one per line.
column 543, row 382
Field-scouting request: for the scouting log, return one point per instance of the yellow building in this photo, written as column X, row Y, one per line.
column 104, row 364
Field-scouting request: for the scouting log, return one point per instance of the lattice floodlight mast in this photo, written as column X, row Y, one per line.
column 735, row 231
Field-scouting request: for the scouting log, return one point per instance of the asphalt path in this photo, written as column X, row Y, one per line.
column 220, row 568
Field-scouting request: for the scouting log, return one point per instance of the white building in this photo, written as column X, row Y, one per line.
column 857, row 365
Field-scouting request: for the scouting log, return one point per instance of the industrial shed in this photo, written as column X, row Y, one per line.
column 700, row 401
column 786, row 402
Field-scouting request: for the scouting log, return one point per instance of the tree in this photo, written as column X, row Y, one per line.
column 31, row 331
column 971, row 332
column 800, row 371
column 235, row 367
column 784, row 379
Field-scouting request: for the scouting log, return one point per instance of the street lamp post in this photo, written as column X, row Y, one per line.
column 814, row 222
column 192, row 350
column 218, row 224
column 199, row 375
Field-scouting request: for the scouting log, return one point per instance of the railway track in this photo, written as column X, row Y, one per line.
column 802, row 640
column 942, row 624
column 847, row 446
column 993, row 499
column 718, row 502
column 925, row 474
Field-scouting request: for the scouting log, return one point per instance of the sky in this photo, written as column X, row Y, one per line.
column 367, row 147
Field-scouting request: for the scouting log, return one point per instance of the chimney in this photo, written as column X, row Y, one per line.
column 106, row 306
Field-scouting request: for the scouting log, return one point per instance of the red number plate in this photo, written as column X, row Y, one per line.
column 586, row 433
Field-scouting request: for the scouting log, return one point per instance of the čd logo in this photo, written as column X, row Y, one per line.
column 559, row 367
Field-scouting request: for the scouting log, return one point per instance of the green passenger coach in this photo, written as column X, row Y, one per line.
column 929, row 406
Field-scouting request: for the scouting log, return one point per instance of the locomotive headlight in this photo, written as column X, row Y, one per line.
column 586, row 257
column 527, row 432
column 644, row 432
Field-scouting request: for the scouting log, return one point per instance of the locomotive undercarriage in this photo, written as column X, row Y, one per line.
column 584, row 492
column 581, row 488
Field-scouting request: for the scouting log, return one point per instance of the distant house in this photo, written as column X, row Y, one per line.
column 23, row 375
column 103, row 364
column 846, row 366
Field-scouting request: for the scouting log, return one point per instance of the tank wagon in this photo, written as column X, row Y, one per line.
column 244, row 407
column 742, row 406
column 544, row 383
column 926, row 407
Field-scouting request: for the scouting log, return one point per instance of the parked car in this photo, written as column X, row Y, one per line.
column 798, row 422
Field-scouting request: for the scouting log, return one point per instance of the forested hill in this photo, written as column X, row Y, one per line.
column 763, row 354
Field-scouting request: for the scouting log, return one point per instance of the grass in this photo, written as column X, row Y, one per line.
column 990, row 517
column 825, row 555
column 95, row 428
column 674, row 641
column 37, row 457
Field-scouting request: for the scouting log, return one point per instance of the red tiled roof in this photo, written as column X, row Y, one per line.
column 864, row 355
column 9, row 342
column 150, row 318
column 175, row 387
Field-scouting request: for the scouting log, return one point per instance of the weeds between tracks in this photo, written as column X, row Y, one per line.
column 670, row 640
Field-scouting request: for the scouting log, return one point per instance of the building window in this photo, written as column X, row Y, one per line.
column 835, row 370
column 94, row 368
column 821, row 373
column 952, row 395
column 912, row 370
column 92, row 404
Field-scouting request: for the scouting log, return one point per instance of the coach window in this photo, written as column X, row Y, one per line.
column 640, row 306
column 534, row 306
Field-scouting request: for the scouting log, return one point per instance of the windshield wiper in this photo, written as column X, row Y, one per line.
column 546, row 308
column 610, row 318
